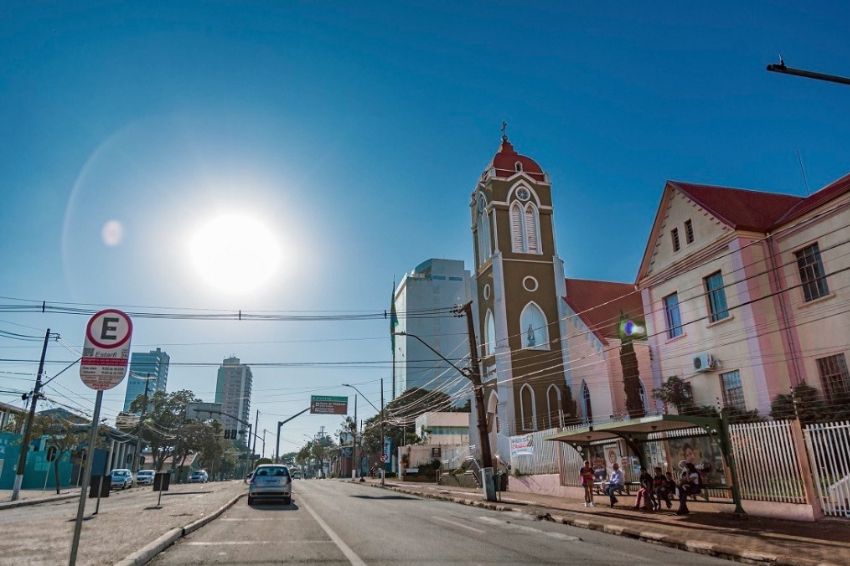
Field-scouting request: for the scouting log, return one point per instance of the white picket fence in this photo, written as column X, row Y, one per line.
column 767, row 461
column 829, row 452
column 544, row 457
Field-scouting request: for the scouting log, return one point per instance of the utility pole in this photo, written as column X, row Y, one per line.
column 264, row 442
column 477, row 388
column 256, row 431
column 354, row 443
column 135, row 467
column 25, row 443
column 383, row 440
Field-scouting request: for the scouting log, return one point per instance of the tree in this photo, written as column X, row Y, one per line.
column 677, row 393
column 400, row 413
column 64, row 435
column 163, row 422
column 810, row 406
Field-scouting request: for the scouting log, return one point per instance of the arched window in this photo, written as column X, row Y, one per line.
column 553, row 405
column 585, row 401
column 528, row 408
column 493, row 412
column 534, row 329
column 517, row 228
column 532, row 229
column 485, row 249
column 490, row 327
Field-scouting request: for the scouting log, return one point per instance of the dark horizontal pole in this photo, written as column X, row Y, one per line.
column 782, row 68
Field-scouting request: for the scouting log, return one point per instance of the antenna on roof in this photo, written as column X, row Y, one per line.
column 803, row 172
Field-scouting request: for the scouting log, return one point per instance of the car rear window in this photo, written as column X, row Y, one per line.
column 273, row 471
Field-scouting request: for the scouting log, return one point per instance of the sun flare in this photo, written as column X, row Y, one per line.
column 234, row 253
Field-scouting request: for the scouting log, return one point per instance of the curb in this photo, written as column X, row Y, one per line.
column 150, row 550
column 39, row 501
column 689, row 545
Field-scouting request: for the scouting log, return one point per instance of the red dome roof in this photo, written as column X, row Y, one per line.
column 506, row 159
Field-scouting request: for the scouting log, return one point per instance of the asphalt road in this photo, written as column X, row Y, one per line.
column 336, row 522
column 41, row 534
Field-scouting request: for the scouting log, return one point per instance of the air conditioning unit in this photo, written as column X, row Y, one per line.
column 704, row 362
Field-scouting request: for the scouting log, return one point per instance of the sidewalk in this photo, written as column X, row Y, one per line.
column 755, row 539
column 35, row 496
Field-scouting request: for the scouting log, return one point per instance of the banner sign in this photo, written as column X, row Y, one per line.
column 522, row 445
column 327, row 405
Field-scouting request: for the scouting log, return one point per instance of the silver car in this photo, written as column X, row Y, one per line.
column 270, row 481
column 145, row 477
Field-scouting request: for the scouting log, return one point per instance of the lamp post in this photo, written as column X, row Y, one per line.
column 381, row 411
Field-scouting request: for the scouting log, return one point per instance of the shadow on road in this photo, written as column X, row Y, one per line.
column 184, row 493
column 403, row 497
column 274, row 506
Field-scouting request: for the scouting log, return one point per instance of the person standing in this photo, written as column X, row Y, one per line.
column 586, row 474
column 615, row 484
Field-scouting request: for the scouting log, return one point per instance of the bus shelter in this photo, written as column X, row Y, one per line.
column 636, row 433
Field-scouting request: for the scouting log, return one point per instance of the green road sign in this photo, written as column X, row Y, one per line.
column 327, row 405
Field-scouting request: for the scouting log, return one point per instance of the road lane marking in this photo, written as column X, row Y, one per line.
column 527, row 529
column 346, row 550
column 243, row 542
column 461, row 525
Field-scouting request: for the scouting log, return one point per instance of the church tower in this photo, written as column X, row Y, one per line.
column 520, row 290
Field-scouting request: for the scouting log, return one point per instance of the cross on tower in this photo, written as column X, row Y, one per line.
column 504, row 130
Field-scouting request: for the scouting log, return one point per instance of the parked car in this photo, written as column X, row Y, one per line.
column 295, row 473
column 145, row 477
column 121, row 478
column 199, row 476
column 270, row 481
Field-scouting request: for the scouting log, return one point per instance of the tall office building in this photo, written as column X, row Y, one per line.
column 233, row 391
column 433, row 284
column 146, row 366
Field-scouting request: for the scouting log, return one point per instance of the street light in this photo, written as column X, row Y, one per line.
column 381, row 410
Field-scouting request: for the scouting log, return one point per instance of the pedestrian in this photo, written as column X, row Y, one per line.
column 645, row 492
column 690, row 483
column 586, row 475
column 615, row 484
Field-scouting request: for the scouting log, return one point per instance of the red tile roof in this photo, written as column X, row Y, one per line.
column 600, row 304
column 741, row 209
column 823, row 196
column 505, row 160
column 759, row 211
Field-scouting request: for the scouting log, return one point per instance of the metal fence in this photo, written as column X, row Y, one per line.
column 829, row 452
column 544, row 456
column 768, row 462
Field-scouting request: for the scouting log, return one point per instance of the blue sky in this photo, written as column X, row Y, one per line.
column 356, row 133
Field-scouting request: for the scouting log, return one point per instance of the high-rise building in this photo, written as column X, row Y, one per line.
column 233, row 391
column 433, row 284
column 144, row 366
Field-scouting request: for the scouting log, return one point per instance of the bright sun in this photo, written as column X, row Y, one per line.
column 234, row 253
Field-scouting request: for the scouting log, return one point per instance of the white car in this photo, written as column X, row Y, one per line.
column 270, row 481
column 121, row 478
column 145, row 477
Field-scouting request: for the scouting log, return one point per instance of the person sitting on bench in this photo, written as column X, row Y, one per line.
column 645, row 493
column 690, row 484
column 663, row 488
column 615, row 484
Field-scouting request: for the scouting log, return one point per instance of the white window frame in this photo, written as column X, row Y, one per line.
column 525, row 387
column 490, row 334
column 544, row 345
column 553, row 415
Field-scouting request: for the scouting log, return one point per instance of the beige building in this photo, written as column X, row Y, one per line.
column 745, row 292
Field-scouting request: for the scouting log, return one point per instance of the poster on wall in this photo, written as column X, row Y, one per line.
column 522, row 446
column 704, row 454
